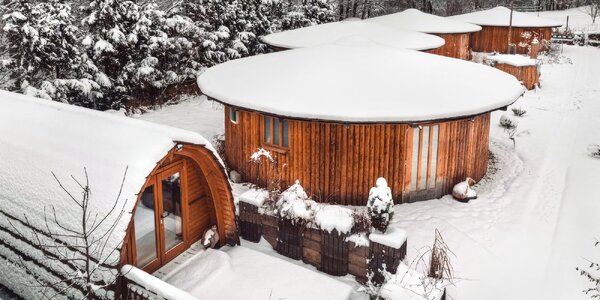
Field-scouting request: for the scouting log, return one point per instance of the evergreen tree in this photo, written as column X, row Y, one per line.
column 41, row 42
column 318, row 11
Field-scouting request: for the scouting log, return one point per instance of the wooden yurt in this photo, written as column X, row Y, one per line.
column 332, row 32
column 495, row 31
column 455, row 33
column 419, row 120
column 152, row 192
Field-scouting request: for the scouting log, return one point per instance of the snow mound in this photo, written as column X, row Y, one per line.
column 255, row 197
column 334, row 217
column 335, row 31
column 295, row 205
column 393, row 237
column 382, row 84
column 408, row 284
column 500, row 16
column 155, row 285
column 416, row 20
column 202, row 271
column 513, row 60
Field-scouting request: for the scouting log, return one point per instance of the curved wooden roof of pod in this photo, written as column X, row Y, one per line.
column 41, row 138
column 416, row 20
column 380, row 85
column 332, row 32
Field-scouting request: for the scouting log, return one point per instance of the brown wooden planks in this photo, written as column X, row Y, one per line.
column 495, row 38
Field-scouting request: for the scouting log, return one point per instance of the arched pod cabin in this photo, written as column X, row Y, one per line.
column 169, row 184
column 495, row 32
column 456, row 34
column 333, row 32
column 417, row 119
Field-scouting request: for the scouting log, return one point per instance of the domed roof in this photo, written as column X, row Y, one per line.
column 364, row 83
column 416, row 20
column 500, row 16
column 332, row 32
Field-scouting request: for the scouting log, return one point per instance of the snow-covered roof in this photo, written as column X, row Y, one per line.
column 364, row 83
column 512, row 59
column 416, row 20
column 332, row 32
column 41, row 137
column 500, row 16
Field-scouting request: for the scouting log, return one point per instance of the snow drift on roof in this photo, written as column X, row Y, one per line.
column 416, row 20
column 360, row 84
column 38, row 137
column 500, row 16
column 331, row 32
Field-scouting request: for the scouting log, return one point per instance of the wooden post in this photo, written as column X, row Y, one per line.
column 535, row 49
column 512, row 49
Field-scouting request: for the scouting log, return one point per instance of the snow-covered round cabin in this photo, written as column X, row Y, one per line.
column 455, row 33
column 343, row 30
column 494, row 34
column 169, row 184
column 419, row 120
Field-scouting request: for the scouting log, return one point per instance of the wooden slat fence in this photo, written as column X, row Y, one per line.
column 334, row 253
column 290, row 239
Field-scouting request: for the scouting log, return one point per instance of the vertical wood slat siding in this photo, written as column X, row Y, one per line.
column 339, row 163
column 528, row 74
column 494, row 38
column 457, row 46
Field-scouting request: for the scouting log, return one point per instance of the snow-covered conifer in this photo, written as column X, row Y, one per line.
column 380, row 205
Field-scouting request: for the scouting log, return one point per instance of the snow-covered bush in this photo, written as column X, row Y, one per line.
column 592, row 274
column 462, row 191
column 380, row 205
column 294, row 205
column 594, row 150
column 507, row 122
column 519, row 112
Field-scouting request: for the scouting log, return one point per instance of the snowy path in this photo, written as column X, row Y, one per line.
column 534, row 221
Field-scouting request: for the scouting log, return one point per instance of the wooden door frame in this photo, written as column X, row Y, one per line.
column 164, row 256
column 168, row 255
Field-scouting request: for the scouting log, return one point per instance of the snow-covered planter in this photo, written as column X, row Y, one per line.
column 386, row 251
column 250, row 218
column 295, row 211
column 335, row 223
column 380, row 205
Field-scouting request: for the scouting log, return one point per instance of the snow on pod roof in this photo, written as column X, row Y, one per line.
column 38, row 137
column 364, row 83
column 500, row 16
column 332, row 32
column 416, row 20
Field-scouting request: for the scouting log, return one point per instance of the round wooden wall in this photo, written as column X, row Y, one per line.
column 493, row 38
column 339, row 163
column 457, row 46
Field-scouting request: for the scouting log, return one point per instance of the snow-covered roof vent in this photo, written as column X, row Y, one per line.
column 41, row 137
column 360, row 84
column 333, row 32
column 416, row 20
column 500, row 16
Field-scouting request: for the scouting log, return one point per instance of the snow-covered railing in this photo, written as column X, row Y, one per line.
column 141, row 285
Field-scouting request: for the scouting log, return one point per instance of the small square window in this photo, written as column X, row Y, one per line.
column 233, row 115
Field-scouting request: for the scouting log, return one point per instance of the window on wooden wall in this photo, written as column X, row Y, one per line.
column 233, row 115
column 424, row 157
column 275, row 131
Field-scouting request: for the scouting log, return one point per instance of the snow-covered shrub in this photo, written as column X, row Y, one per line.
column 380, row 205
column 294, row 205
column 594, row 150
column 519, row 112
column 362, row 221
column 592, row 274
column 507, row 122
column 462, row 191
column 259, row 154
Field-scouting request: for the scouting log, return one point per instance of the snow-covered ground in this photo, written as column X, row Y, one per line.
column 244, row 273
column 579, row 20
